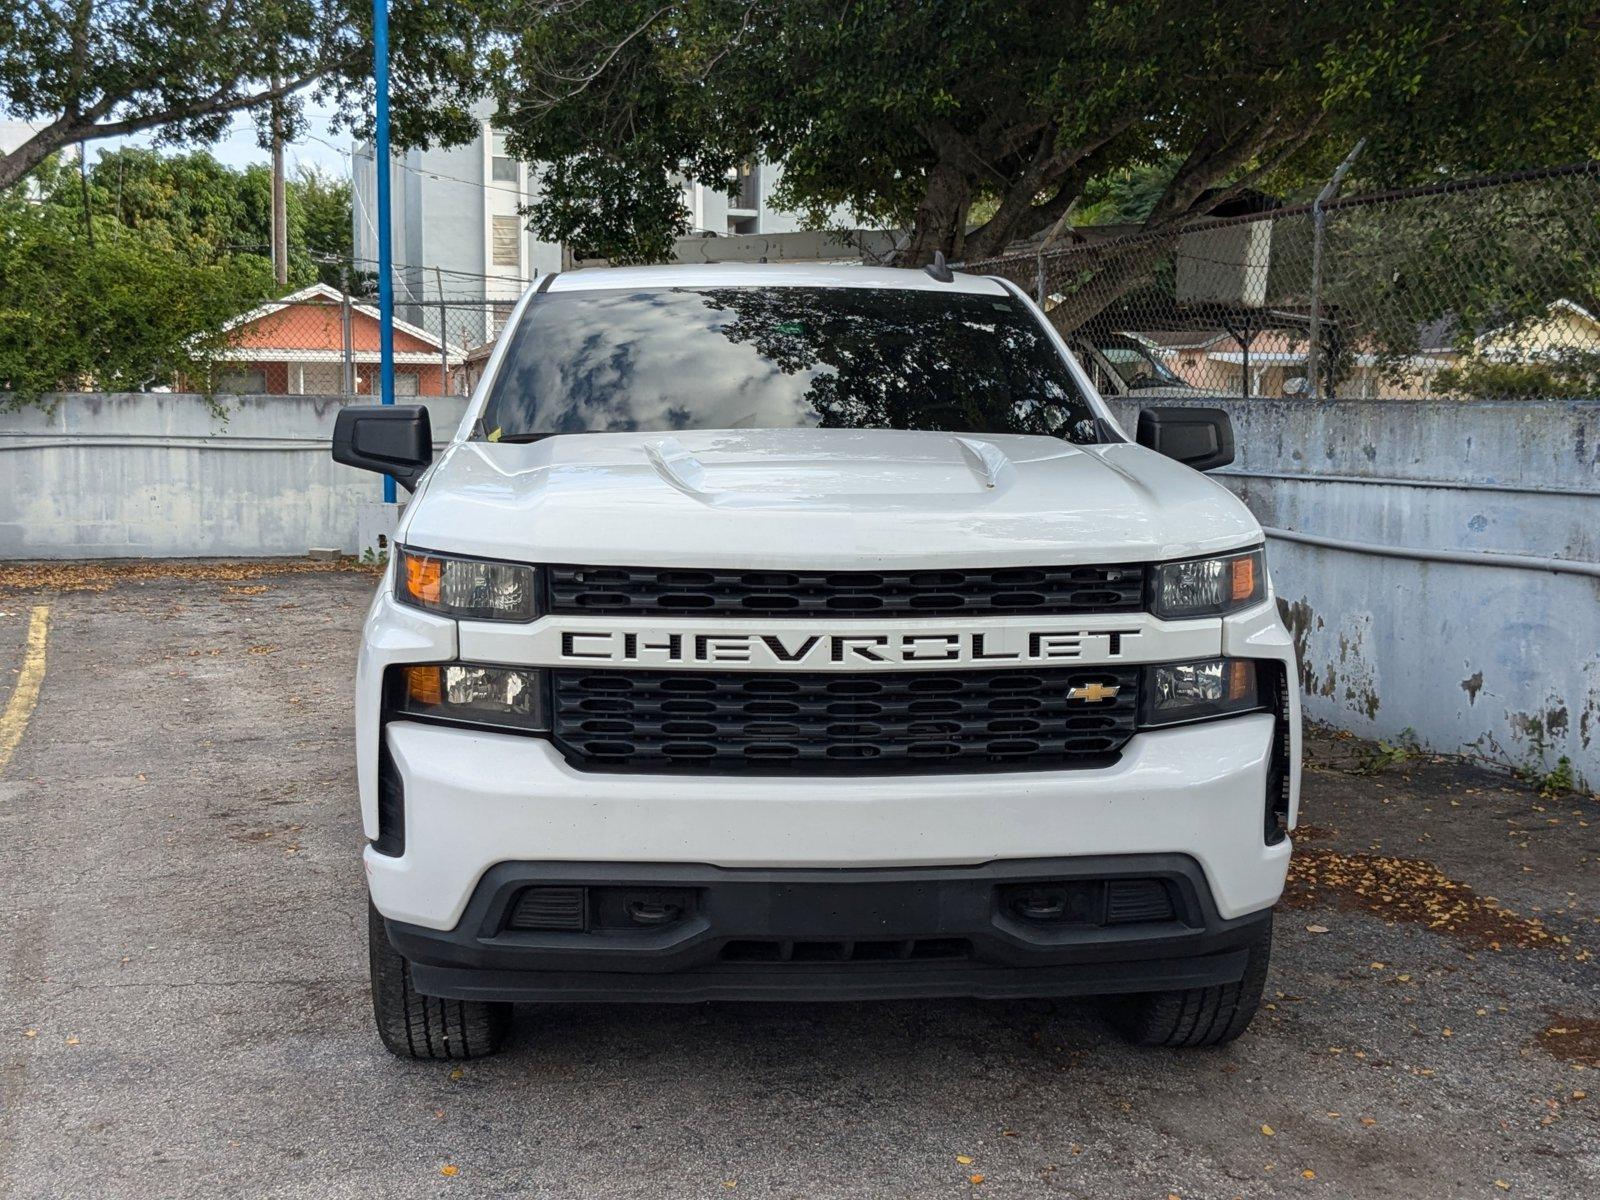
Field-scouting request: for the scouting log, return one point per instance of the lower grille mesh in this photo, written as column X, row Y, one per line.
column 734, row 722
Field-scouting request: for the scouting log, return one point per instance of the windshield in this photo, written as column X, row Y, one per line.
column 780, row 358
column 1134, row 364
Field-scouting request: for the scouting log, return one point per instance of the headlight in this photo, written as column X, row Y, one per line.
column 473, row 589
column 1209, row 587
column 470, row 695
column 1193, row 691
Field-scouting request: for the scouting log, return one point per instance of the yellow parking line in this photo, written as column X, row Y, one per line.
column 26, row 694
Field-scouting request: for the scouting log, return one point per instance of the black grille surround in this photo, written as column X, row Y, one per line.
column 734, row 722
column 653, row 591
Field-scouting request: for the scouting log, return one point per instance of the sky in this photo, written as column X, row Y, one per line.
column 319, row 146
column 239, row 147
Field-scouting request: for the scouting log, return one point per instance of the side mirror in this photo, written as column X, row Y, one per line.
column 1201, row 438
column 391, row 439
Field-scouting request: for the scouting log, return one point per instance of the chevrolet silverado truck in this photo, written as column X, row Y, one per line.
column 806, row 632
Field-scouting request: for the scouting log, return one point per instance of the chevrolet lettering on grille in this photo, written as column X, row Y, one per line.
column 858, row 650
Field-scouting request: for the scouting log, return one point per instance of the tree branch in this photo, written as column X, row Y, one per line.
column 84, row 126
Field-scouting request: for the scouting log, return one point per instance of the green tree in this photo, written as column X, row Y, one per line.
column 916, row 115
column 122, row 313
column 195, row 207
column 327, row 230
column 86, row 69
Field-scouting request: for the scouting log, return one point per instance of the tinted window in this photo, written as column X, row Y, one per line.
column 774, row 358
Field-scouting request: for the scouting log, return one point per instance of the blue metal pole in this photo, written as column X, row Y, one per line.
column 380, row 76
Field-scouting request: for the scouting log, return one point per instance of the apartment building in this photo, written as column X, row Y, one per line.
column 457, row 232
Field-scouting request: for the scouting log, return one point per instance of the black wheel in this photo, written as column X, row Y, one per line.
column 1208, row 1016
column 416, row 1026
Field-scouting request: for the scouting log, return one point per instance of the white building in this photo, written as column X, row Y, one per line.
column 457, row 230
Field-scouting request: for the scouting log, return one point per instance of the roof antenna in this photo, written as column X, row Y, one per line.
column 938, row 268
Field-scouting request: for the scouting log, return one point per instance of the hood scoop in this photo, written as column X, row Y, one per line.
column 969, row 467
column 677, row 465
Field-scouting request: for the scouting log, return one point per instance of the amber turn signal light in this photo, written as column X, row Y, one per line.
column 1241, row 679
column 423, row 576
column 1244, row 578
column 424, row 685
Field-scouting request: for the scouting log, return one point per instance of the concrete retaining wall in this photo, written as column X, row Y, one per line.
column 123, row 476
column 1488, row 658
column 1485, row 658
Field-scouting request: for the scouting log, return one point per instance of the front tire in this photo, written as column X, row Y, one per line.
column 416, row 1026
column 1208, row 1016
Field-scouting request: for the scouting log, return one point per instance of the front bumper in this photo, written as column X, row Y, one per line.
column 473, row 800
column 1125, row 924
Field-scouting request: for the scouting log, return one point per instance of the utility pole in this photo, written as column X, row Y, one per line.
column 444, row 343
column 280, row 199
column 1319, row 222
column 83, row 182
column 380, row 155
column 349, row 379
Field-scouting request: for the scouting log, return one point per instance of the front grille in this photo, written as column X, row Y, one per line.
column 559, row 908
column 1041, row 590
column 724, row 722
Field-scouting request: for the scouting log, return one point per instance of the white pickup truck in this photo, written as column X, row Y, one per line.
column 801, row 632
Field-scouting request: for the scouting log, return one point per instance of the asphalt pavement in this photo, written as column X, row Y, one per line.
column 184, row 1007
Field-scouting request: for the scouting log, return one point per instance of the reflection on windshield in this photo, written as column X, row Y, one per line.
column 1135, row 366
column 777, row 358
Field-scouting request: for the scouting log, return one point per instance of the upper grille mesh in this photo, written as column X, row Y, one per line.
column 1048, row 590
column 722, row 722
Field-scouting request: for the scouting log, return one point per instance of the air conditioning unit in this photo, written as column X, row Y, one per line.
column 1227, row 264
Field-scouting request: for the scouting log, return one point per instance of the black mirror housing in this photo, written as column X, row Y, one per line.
column 1201, row 438
column 391, row 439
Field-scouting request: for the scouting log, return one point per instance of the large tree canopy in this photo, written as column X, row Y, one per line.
column 180, row 246
column 910, row 114
column 86, row 69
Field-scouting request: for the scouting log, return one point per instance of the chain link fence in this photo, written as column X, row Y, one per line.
column 1484, row 288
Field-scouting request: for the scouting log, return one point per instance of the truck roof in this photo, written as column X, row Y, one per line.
column 692, row 275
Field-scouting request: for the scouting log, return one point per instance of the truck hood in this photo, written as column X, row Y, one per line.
column 820, row 498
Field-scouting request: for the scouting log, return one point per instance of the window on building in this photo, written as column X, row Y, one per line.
column 405, row 383
column 503, row 169
column 749, row 197
column 245, row 381
column 506, row 232
column 499, row 314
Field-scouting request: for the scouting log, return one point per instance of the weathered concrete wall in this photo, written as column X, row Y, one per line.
column 1484, row 658
column 117, row 476
column 1501, row 661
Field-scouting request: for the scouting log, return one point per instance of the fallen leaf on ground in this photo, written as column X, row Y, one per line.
column 1316, row 929
column 449, row 1169
column 963, row 1159
column 1268, row 1130
column 974, row 1178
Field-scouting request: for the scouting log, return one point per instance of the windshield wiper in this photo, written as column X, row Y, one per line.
column 523, row 437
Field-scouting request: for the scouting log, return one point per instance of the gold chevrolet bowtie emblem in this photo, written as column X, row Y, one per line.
column 1093, row 692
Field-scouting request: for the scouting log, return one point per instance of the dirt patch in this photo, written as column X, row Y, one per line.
column 1575, row 1039
column 1311, row 833
column 1411, row 890
column 256, row 836
column 100, row 576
